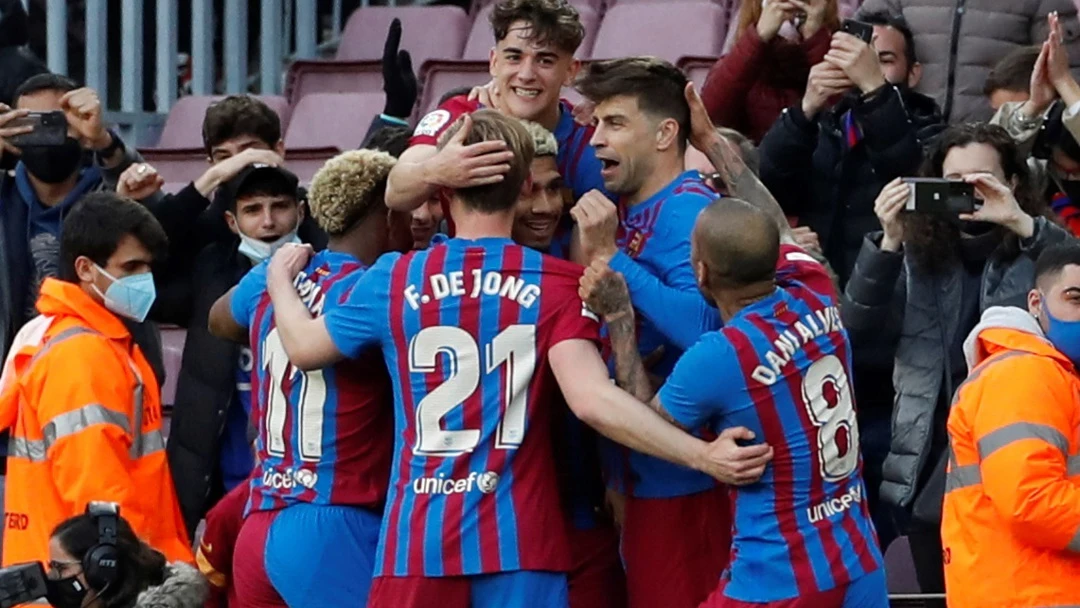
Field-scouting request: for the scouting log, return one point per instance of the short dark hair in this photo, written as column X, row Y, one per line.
column 553, row 21
column 44, row 82
column 271, row 184
column 490, row 125
column 1054, row 259
column 138, row 565
column 454, row 92
column 1013, row 72
column 96, row 224
column 238, row 115
column 658, row 86
column 392, row 140
column 898, row 23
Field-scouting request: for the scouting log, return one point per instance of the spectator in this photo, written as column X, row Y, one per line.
column 827, row 165
column 1010, row 79
column 47, row 182
column 80, row 398
column 765, row 72
column 917, row 290
column 427, row 219
column 1012, row 503
column 962, row 41
column 1047, row 125
column 17, row 62
column 96, row 560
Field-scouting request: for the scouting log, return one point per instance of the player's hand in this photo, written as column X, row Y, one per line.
column 583, row 112
column 82, row 108
column 598, row 220
column 7, row 115
column 139, row 181
column 489, row 96
column 733, row 464
column 999, row 205
column 858, row 60
column 890, row 202
column 287, row 262
column 826, row 81
column 773, row 16
column 702, row 130
column 399, row 80
column 227, row 169
column 604, row 290
column 806, row 239
column 465, row 166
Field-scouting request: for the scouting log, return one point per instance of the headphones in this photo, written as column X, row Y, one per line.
column 100, row 564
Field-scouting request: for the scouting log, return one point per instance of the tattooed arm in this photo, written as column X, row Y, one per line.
column 606, row 293
column 725, row 157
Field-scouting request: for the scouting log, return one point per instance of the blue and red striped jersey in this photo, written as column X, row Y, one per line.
column 324, row 436
column 782, row 368
column 654, row 257
column 465, row 327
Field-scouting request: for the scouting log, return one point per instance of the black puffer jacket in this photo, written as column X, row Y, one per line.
column 814, row 175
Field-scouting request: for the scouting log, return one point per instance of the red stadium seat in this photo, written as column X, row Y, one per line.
column 332, row 120
column 427, row 32
column 696, row 68
column 306, row 77
column 667, row 30
column 172, row 345
column 177, row 167
column 183, row 127
column 480, row 41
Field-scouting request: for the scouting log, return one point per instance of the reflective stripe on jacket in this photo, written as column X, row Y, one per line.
column 1011, row 517
column 84, row 410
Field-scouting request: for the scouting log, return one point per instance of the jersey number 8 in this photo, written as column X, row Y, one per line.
column 826, row 393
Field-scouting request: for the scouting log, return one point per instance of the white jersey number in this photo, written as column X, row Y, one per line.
column 515, row 347
column 312, row 402
column 826, row 393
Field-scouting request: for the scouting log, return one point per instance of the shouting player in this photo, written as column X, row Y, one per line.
column 642, row 127
column 479, row 333
column 533, row 59
column 324, row 436
column 779, row 371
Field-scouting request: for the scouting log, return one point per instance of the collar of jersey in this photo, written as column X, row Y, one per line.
column 666, row 191
column 763, row 306
column 490, row 241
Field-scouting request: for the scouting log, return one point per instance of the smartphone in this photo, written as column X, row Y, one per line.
column 862, row 31
column 939, row 195
column 50, row 129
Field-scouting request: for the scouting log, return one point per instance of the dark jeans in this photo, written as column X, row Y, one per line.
column 874, row 435
column 926, row 551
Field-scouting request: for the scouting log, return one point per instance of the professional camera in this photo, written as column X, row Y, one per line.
column 21, row 583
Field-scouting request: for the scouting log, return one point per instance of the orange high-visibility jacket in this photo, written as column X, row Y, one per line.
column 1011, row 519
column 84, row 411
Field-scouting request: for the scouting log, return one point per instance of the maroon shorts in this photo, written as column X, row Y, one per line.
column 252, row 585
column 676, row 548
column 597, row 579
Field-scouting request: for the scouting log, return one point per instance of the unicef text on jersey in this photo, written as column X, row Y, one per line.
column 485, row 482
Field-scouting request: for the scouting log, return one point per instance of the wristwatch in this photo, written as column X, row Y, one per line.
column 109, row 150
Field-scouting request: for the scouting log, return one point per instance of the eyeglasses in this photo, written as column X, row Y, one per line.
column 59, row 566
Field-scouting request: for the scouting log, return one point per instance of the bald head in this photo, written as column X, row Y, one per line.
column 737, row 243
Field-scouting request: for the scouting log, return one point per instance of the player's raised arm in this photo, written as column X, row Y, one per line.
column 424, row 169
column 306, row 340
column 222, row 324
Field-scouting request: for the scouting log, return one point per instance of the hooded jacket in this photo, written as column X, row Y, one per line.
column 184, row 587
column 1011, row 516
column 84, row 411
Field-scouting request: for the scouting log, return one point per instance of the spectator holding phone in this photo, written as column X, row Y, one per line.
column 765, row 70
column 918, row 289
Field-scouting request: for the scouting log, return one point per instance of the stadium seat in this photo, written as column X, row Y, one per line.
column 667, row 30
column 338, row 120
column 306, row 77
column 696, row 68
column 183, row 126
column 172, row 346
column 480, row 41
column 900, row 568
column 427, row 32
column 441, row 77
column 304, row 163
column 177, row 166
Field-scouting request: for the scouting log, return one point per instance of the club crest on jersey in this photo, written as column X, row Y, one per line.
column 430, row 124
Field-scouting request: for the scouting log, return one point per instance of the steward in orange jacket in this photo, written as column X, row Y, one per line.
column 1011, row 518
column 84, row 410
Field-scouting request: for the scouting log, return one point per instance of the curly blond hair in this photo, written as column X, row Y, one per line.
column 543, row 140
column 348, row 187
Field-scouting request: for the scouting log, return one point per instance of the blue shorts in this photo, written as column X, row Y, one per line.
column 519, row 589
column 867, row 591
column 317, row 554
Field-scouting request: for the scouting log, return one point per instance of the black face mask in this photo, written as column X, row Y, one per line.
column 53, row 164
column 976, row 228
column 65, row 592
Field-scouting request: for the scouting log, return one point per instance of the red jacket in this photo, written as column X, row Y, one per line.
column 749, row 87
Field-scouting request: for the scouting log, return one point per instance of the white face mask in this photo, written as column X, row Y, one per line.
column 257, row 250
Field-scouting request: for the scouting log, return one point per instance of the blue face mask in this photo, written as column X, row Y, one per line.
column 1064, row 335
column 131, row 296
column 257, row 250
